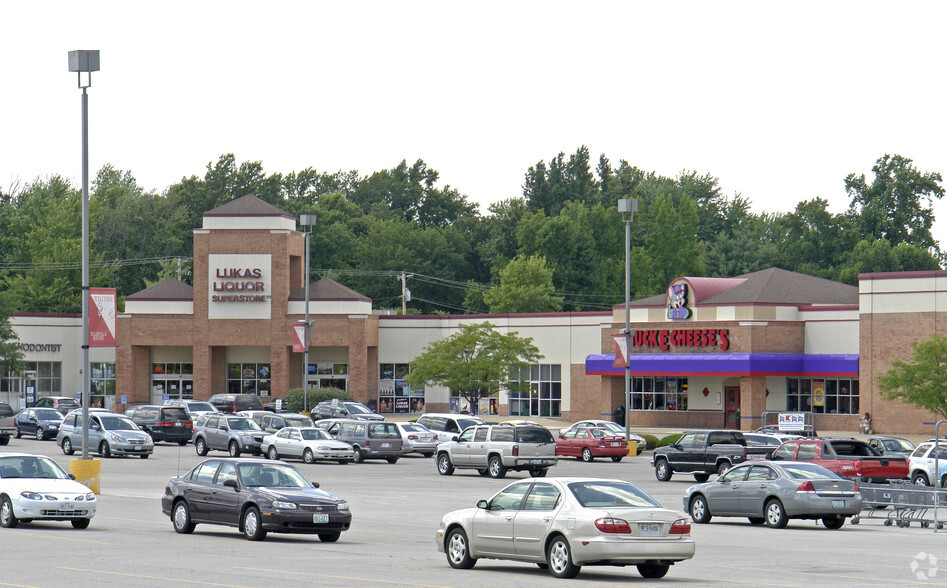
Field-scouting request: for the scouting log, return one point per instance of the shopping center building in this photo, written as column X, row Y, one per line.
column 710, row 352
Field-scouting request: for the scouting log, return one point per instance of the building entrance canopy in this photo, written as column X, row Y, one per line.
column 727, row 364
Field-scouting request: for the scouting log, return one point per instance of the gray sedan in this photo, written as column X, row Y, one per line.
column 772, row 493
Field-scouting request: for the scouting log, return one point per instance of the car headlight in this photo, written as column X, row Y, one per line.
column 116, row 437
column 284, row 505
column 342, row 505
column 31, row 495
column 90, row 496
column 324, row 448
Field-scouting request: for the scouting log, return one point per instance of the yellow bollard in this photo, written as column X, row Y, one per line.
column 632, row 448
column 88, row 472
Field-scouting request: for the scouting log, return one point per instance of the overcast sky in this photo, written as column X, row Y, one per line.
column 779, row 100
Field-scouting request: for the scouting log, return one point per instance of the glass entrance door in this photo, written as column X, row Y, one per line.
column 732, row 407
column 171, row 389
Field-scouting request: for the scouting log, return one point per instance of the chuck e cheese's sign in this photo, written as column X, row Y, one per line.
column 236, row 280
column 664, row 339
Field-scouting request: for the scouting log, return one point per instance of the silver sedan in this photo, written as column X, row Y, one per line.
column 774, row 492
column 565, row 523
column 308, row 443
column 418, row 439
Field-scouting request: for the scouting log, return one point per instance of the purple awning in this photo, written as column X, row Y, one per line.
column 727, row 364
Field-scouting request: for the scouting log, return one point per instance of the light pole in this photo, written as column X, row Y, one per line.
column 627, row 208
column 307, row 220
column 85, row 62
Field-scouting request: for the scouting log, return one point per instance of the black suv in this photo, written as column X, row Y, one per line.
column 329, row 409
column 163, row 423
column 236, row 402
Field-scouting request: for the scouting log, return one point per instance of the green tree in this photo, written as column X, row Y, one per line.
column 671, row 240
column 475, row 362
column 897, row 205
column 880, row 256
column 525, row 285
column 921, row 382
column 11, row 358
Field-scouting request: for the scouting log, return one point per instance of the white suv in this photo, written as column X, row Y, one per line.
column 921, row 464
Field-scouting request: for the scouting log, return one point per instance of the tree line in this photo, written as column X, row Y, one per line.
column 558, row 246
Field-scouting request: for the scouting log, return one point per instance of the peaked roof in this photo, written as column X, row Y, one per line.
column 769, row 286
column 248, row 205
column 170, row 289
column 328, row 289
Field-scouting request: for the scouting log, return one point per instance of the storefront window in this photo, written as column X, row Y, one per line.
column 394, row 394
column 102, row 386
column 328, row 375
column 822, row 395
column 248, row 378
column 658, row 393
column 536, row 392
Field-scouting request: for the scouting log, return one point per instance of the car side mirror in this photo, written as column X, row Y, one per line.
column 231, row 483
column 482, row 504
column 314, row 484
column 72, row 476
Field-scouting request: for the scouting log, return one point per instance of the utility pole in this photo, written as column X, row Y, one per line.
column 405, row 293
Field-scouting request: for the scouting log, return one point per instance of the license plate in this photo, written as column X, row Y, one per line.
column 177, row 424
column 838, row 504
column 386, row 444
column 537, row 462
column 320, row 518
column 649, row 529
column 616, row 444
column 67, row 506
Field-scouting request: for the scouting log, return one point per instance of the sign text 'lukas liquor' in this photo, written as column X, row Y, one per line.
column 233, row 280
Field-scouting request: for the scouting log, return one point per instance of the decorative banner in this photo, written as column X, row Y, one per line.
column 792, row 421
column 621, row 350
column 818, row 393
column 102, row 317
column 299, row 336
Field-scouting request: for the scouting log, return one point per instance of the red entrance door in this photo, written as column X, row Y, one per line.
column 731, row 407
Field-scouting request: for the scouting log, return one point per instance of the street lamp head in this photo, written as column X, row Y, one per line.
column 84, row 61
column 628, row 205
column 307, row 220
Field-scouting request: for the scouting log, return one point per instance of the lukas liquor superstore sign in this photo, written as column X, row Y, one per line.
column 664, row 339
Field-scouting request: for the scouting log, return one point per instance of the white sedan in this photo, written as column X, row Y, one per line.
column 34, row 487
column 308, row 443
column 565, row 523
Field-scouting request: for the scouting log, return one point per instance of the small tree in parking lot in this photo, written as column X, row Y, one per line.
column 475, row 362
column 294, row 398
column 922, row 381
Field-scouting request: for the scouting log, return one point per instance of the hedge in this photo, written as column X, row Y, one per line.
column 669, row 440
column 294, row 398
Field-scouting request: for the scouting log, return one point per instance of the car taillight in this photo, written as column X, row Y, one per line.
column 435, row 437
column 612, row 525
column 857, row 489
column 680, row 527
column 516, row 450
column 806, row 487
column 412, row 437
column 164, row 424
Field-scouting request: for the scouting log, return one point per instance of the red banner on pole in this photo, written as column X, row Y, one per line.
column 299, row 339
column 621, row 350
column 102, row 312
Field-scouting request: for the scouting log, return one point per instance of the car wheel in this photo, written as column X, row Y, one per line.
column 662, row 470
column 233, row 449
column 343, row 461
column 496, row 467
column 701, row 477
column 16, row 432
column 200, row 446
column 428, row 454
column 81, row 523
column 920, row 479
column 834, row 522
column 273, row 454
column 67, row 446
column 483, row 471
column 39, row 434
column 587, row 454
column 145, row 455
column 182, row 442
column 308, row 456
column 756, row 520
column 252, row 525
column 391, row 459
column 775, row 514
column 559, row 558
column 329, row 537
column 458, row 550
column 7, row 518
column 5, row 440
column 359, row 458
column 181, row 518
column 538, row 472
column 653, row 570
column 617, row 458
column 444, row 466
column 722, row 467
column 104, row 449
column 699, row 510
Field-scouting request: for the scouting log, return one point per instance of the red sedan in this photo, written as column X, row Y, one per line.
column 588, row 443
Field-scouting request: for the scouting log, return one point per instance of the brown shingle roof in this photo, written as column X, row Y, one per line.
column 328, row 289
column 248, row 205
column 170, row 289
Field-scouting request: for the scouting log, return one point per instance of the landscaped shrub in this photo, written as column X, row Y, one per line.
column 651, row 439
column 294, row 398
column 669, row 439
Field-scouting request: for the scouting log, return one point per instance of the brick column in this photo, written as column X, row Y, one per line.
column 752, row 401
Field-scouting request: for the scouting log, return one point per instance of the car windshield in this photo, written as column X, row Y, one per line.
column 30, row 466
column 315, row 434
column 297, row 421
column 243, row 424
column 272, row 476
column 68, row 404
column 48, row 414
column 415, row 428
column 807, row 471
column 603, row 494
column 598, row 433
column 356, row 408
column 534, row 435
column 615, row 427
column 201, row 407
column 464, row 423
column 898, row 445
column 116, row 423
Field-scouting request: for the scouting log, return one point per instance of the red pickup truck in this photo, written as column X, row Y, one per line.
column 849, row 458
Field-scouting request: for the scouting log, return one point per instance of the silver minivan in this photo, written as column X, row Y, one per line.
column 369, row 439
column 109, row 434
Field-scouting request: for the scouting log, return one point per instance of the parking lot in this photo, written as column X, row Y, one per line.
column 396, row 510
